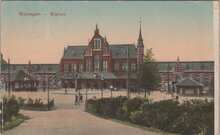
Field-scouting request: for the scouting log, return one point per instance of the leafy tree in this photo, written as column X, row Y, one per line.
column 149, row 56
column 148, row 76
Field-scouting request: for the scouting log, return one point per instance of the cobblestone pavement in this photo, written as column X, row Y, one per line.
column 69, row 119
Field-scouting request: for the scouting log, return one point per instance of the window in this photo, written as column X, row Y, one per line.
column 124, row 66
column 197, row 78
column 206, row 80
column 80, row 67
column 97, row 44
column 96, row 63
column 116, row 66
column 65, row 67
column 88, row 65
column 73, row 67
column 105, row 65
column 133, row 67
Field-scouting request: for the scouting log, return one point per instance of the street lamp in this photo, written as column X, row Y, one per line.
column 48, row 94
column 26, row 81
column 111, row 88
column 75, row 81
column 44, row 82
column 65, row 86
column 102, row 79
column 87, row 86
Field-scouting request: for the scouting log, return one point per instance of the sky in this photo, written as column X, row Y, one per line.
column 170, row 28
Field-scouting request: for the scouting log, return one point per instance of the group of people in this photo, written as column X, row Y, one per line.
column 78, row 98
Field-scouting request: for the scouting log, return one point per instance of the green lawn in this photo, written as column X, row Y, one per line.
column 17, row 121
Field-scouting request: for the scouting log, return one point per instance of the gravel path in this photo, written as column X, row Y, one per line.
column 71, row 122
column 68, row 119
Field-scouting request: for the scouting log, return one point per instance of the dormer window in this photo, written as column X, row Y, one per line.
column 97, row 44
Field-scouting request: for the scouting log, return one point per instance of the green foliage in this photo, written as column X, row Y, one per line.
column 160, row 114
column 149, row 56
column 11, row 107
column 148, row 76
column 189, row 117
column 18, row 120
column 197, row 116
column 106, row 106
column 133, row 105
column 34, row 103
column 21, row 101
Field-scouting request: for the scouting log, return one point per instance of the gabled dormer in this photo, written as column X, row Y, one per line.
column 97, row 44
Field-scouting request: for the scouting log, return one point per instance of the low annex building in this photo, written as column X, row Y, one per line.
column 189, row 86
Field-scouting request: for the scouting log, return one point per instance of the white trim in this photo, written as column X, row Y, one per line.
column 217, row 68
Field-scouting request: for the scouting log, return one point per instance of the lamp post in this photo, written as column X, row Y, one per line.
column 48, row 94
column 75, row 82
column 26, row 81
column 9, row 92
column 87, row 87
column 128, row 70
column 44, row 82
column 102, row 79
column 65, row 86
column 111, row 88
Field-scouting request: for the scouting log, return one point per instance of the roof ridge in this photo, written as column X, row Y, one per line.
column 77, row 46
column 123, row 44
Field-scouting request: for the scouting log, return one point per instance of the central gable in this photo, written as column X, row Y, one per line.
column 97, row 44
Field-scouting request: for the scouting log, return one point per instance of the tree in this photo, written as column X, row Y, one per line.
column 148, row 76
column 149, row 56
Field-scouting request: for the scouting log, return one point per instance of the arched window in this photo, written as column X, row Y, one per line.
column 105, row 65
column 96, row 63
column 87, row 65
column 97, row 44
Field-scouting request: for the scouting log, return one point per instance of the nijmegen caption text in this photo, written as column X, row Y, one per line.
column 35, row 14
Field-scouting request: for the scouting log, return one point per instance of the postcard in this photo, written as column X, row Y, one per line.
column 109, row 67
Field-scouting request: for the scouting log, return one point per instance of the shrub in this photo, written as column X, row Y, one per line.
column 133, row 105
column 160, row 114
column 137, row 117
column 21, row 101
column 11, row 107
column 106, row 106
column 34, row 103
column 190, row 117
column 197, row 116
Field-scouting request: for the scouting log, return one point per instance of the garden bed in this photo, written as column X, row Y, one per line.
column 15, row 122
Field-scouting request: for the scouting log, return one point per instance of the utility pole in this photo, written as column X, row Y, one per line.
column 44, row 82
column 168, row 77
column 48, row 94
column 128, row 67
column 9, row 92
column 76, row 81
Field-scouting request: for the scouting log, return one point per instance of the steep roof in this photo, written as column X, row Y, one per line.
column 36, row 68
column 188, row 82
column 120, row 50
column 189, row 65
column 74, row 52
column 117, row 51
column 20, row 75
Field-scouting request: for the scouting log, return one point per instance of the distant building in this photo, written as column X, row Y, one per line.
column 189, row 86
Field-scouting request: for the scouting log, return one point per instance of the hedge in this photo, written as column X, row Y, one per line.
column 189, row 117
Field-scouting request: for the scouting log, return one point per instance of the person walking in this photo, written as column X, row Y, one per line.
column 76, row 99
column 80, row 97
